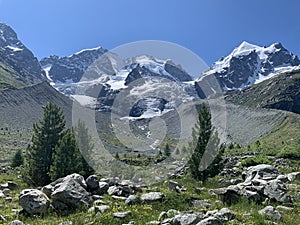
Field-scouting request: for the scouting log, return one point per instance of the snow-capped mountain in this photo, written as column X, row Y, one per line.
column 19, row 58
column 70, row 68
column 249, row 64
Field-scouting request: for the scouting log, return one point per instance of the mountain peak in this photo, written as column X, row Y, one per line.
column 249, row 64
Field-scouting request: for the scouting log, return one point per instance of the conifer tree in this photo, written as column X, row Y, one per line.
column 85, row 145
column 200, row 137
column 46, row 135
column 167, row 150
column 18, row 159
column 67, row 157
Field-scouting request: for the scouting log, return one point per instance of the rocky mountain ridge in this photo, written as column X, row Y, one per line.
column 249, row 64
column 15, row 58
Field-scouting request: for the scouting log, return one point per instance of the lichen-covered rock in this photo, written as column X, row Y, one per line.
column 34, row 201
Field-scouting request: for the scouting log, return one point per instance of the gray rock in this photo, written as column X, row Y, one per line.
column 130, row 223
column 114, row 190
column 202, row 204
column 8, row 199
column 262, row 171
column 60, row 206
column 162, row 216
column 131, row 200
column 210, row 221
column 121, row 214
column 271, row 212
column 48, row 189
column 224, row 214
column 34, row 201
column 152, row 197
column 186, row 219
column 283, row 178
column 284, row 208
column 10, row 185
column 174, row 186
column 103, row 208
column 2, row 195
column 72, row 194
column 16, row 222
column 92, row 182
column 66, row 223
column 102, row 188
column 227, row 195
column 6, row 191
column 277, row 191
column 293, row 176
column 78, row 178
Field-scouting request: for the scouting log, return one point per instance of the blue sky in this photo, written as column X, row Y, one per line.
column 210, row 28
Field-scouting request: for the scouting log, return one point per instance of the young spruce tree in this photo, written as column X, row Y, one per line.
column 46, row 134
column 85, row 145
column 67, row 157
column 201, row 134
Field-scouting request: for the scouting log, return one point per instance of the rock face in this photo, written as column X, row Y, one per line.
column 62, row 69
column 71, row 193
column 34, row 201
column 249, row 64
column 25, row 68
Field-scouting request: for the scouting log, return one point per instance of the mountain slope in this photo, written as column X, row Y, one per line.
column 249, row 64
column 18, row 66
column 280, row 92
column 20, row 108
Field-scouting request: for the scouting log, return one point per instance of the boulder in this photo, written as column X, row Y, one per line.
column 175, row 186
column 293, row 176
column 227, row 195
column 121, row 214
column 277, row 191
column 152, row 197
column 114, row 190
column 131, row 200
column 16, row 222
column 92, row 182
column 271, row 212
column 102, row 188
column 262, row 171
column 210, row 221
column 34, row 201
column 72, row 193
column 186, row 219
column 48, row 189
column 78, row 178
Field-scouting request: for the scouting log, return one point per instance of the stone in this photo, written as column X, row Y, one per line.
column 114, row 190
column 78, row 178
column 293, row 176
column 227, row 195
column 66, row 223
column 10, row 185
column 262, row 171
column 8, row 199
column 162, row 216
column 2, row 195
column 186, row 219
column 152, row 197
column 102, row 188
column 210, row 221
column 6, row 191
column 132, row 199
column 34, row 201
column 224, row 214
column 92, row 182
column 130, row 223
column 72, row 194
column 121, row 215
column 16, row 222
column 277, row 191
column 283, row 178
column 201, row 204
column 103, row 208
column 48, row 189
column 271, row 212
column 174, row 186
column 60, row 206
column 284, row 208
